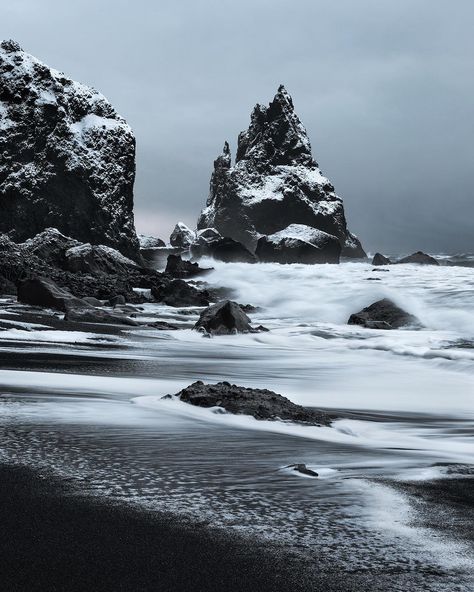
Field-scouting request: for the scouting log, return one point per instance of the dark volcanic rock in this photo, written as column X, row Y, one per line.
column 176, row 267
column 67, row 157
column 182, row 236
column 224, row 318
column 420, row 258
column 51, row 246
column 97, row 315
column 223, row 249
column 299, row 244
column 179, row 293
column 7, row 287
column 303, row 469
column 44, row 292
column 259, row 403
column 274, row 182
column 96, row 259
column 380, row 259
column 383, row 314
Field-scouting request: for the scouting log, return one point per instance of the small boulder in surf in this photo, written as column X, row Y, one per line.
column 383, row 314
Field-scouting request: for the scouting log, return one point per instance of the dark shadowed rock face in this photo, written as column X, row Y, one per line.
column 179, row 293
column 44, row 292
column 299, row 244
column 68, row 159
column 274, row 182
column 259, row 403
column 420, row 258
column 222, row 249
column 179, row 268
column 224, row 318
column 383, row 314
column 380, row 259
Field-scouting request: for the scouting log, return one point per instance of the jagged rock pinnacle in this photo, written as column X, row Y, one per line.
column 274, row 183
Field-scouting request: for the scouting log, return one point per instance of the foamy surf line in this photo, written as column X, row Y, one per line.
column 346, row 432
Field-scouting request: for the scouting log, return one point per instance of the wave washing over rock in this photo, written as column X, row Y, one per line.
column 68, row 158
column 275, row 182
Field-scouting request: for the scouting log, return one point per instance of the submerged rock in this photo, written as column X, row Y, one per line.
column 303, row 469
column 180, row 293
column 420, row 258
column 383, row 314
column 179, row 268
column 222, row 249
column 182, row 236
column 224, row 318
column 275, row 182
column 261, row 404
column 380, row 259
column 299, row 243
column 68, row 158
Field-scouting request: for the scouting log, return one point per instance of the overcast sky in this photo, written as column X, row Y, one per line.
column 385, row 89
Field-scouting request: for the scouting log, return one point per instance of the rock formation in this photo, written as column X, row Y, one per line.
column 383, row 314
column 274, row 182
column 380, row 259
column 225, row 318
column 299, row 244
column 259, row 403
column 420, row 258
column 68, row 158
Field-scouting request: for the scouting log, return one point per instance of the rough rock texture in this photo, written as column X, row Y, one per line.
column 420, row 258
column 179, row 268
column 97, row 315
column 274, row 182
column 224, row 318
column 179, row 293
column 150, row 242
column 383, row 314
column 259, row 403
column 380, row 259
column 44, row 292
column 182, row 236
column 67, row 158
column 223, row 249
column 299, row 244
column 96, row 259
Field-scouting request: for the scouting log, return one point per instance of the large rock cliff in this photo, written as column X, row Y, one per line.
column 274, row 183
column 67, row 159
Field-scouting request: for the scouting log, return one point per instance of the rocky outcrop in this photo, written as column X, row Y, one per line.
column 222, row 249
column 81, row 314
column 299, row 244
column 259, row 403
column 179, row 268
column 225, row 318
column 383, row 314
column 68, row 158
column 150, row 242
column 96, row 259
column 275, row 182
column 380, row 259
column 44, row 292
column 303, row 469
column 420, row 258
column 182, row 236
column 179, row 293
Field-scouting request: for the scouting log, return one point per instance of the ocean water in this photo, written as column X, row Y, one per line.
column 88, row 406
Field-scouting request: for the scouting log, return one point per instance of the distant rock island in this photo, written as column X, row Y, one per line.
column 68, row 158
column 275, row 184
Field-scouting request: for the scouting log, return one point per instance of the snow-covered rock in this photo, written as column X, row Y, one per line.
column 275, row 182
column 299, row 243
column 68, row 158
column 150, row 242
column 96, row 259
column 182, row 236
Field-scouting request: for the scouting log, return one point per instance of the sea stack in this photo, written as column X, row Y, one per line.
column 68, row 158
column 274, row 183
